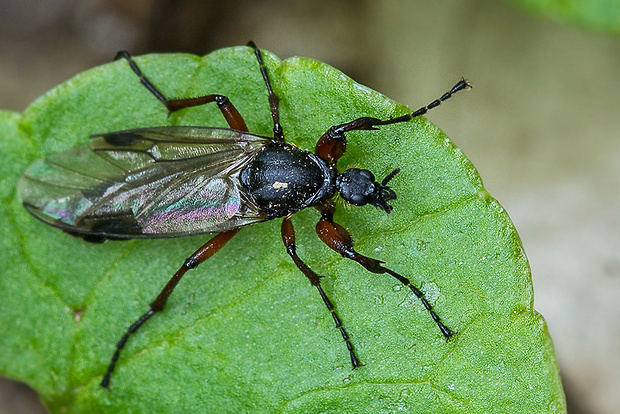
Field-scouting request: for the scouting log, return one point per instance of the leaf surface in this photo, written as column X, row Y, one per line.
column 246, row 332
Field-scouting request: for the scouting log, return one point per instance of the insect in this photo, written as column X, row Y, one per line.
column 184, row 180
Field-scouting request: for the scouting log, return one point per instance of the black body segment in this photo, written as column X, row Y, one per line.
column 359, row 188
column 283, row 179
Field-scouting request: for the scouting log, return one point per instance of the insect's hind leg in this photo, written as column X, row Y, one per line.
column 232, row 116
column 338, row 239
column 274, row 101
column 288, row 237
column 207, row 250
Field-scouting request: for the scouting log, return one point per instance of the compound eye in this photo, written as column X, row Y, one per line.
column 359, row 200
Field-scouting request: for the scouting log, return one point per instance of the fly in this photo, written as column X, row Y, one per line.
column 185, row 180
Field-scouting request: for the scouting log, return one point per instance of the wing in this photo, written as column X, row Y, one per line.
column 146, row 183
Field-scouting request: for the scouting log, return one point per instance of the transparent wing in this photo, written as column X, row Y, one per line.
column 146, row 183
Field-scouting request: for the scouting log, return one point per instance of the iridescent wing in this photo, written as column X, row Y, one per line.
column 146, row 183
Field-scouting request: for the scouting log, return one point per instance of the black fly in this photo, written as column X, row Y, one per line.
column 180, row 180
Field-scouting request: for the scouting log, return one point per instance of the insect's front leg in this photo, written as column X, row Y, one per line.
column 332, row 144
column 232, row 116
column 338, row 239
column 207, row 250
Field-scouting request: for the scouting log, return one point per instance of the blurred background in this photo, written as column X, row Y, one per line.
column 542, row 124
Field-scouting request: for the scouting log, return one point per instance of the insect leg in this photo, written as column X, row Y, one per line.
column 459, row 86
column 332, row 143
column 207, row 250
column 273, row 98
column 233, row 117
column 288, row 237
column 338, row 239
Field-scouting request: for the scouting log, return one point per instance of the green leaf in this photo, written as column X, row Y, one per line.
column 598, row 15
column 246, row 332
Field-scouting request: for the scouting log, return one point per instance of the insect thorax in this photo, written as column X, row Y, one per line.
column 284, row 179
